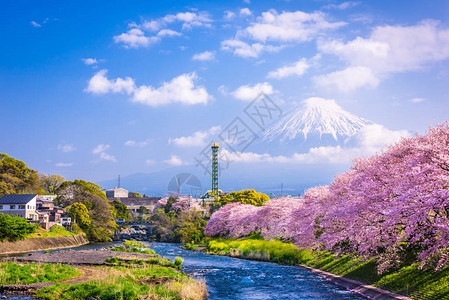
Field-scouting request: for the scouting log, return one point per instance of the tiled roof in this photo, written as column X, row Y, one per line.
column 17, row 199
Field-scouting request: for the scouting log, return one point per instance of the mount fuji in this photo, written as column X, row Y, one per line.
column 315, row 122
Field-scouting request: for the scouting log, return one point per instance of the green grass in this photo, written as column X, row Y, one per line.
column 275, row 251
column 133, row 246
column 127, row 283
column 11, row 273
column 156, row 260
column 56, row 230
column 408, row 280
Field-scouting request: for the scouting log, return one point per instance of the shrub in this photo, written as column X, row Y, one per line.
column 14, row 228
column 178, row 261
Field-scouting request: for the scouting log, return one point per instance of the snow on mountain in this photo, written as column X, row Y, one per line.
column 316, row 116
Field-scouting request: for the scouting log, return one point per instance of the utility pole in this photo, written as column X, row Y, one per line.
column 118, row 181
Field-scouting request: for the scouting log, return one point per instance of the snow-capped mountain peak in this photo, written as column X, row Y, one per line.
column 316, row 116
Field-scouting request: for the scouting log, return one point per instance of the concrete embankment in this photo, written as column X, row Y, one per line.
column 366, row 290
column 38, row 244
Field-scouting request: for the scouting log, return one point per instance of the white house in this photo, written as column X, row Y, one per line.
column 117, row 193
column 19, row 205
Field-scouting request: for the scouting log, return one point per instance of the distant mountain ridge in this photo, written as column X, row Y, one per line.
column 315, row 116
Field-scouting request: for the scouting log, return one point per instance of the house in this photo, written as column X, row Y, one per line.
column 117, row 193
column 20, row 205
column 45, row 204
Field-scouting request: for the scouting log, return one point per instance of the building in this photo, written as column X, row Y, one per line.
column 117, row 193
column 20, row 205
column 45, row 204
column 47, row 197
column 133, row 204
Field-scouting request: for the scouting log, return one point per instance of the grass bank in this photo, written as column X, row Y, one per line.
column 407, row 280
column 13, row 273
column 55, row 231
column 144, row 281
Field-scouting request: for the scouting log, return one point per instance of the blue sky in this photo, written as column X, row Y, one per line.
column 92, row 90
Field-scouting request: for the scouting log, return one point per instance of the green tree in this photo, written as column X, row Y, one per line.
column 101, row 212
column 51, row 183
column 121, row 211
column 170, row 202
column 143, row 210
column 245, row 197
column 14, row 228
column 16, row 177
column 134, row 195
column 79, row 214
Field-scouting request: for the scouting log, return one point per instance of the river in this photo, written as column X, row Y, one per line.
column 233, row 278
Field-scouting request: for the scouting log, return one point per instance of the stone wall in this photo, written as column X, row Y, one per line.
column 38, row 244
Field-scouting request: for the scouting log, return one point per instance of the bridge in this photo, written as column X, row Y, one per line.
column 134, row 230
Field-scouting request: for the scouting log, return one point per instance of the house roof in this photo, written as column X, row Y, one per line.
column 139, row 201
column 116, row 190
column 17, row 199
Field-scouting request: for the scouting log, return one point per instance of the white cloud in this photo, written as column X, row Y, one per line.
column 106, row 156
column 132, row 143
column 100, row 84
column 168, row 32
column 228, row 15
column 248, row 93
column 101, row 148
column 342, row 6
column 393, row 49
column 417, row 100
column 181, row 89
column 369, row 140
column 244, row 49
column 199, row 138
column 204, row 56
column 90, row 61
column 35, row 24
column 297, row 68
column 66, row 148
column 373, row 138
column 188, row 20
column 174, row 161
column 100, row 151
column 63, row 165
column 349, row 79
column 222, row 89
column 245, row 12
column 135, row 38
column 295, row 26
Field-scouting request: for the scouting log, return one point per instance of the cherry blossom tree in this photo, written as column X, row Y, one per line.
column 392, row 206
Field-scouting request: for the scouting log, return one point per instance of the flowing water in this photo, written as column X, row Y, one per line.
column 232, row 278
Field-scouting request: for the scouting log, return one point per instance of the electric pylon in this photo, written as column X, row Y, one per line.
column 214, row 147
